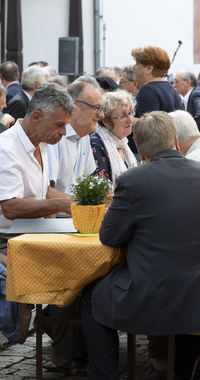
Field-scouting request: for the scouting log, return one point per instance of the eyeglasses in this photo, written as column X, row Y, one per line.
column 98, row 109
column 125, row 81
column 123, row 117
column 176, row 81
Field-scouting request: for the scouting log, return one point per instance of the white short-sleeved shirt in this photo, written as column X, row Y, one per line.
column 69, row 159
column 21, row 176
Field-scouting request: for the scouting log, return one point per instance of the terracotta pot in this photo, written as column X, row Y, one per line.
column 87, row 219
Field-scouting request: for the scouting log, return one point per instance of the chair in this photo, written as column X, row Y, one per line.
column 131, row 360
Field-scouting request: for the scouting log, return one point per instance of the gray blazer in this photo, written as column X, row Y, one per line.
column 155, row 214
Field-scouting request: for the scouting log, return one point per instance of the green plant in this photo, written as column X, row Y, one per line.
column 91, row 190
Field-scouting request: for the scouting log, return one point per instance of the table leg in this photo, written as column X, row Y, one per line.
column 38, row 342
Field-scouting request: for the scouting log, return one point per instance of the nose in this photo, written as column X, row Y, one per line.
column 130, row 117
column 101, row 114
column 63, row 130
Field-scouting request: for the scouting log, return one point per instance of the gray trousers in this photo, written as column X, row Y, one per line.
column 68, row 341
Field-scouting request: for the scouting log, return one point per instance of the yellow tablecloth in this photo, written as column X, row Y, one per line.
column 54, row 268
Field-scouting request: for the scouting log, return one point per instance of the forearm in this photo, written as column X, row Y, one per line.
column 18, row 208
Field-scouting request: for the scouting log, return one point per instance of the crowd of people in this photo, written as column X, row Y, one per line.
column 143, row 133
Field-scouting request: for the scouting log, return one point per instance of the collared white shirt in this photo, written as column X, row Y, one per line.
column 186, row 98
column 194, row 152
column 21, row 174
column 27, row 94
column 69, row 159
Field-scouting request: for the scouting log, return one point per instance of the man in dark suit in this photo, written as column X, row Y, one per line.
column 9, row 74
column 185, row 83
column 155, row 216
column 32, row 78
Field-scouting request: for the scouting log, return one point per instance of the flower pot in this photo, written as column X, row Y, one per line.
column 87, row 219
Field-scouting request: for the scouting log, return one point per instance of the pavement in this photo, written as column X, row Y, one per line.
column 18, row 362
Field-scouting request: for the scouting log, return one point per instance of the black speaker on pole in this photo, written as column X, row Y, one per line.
column 68, row 56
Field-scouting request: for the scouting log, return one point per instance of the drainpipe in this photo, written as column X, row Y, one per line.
column 96, row 36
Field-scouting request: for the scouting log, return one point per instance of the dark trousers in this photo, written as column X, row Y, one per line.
column 102, row 347
column 102, row 343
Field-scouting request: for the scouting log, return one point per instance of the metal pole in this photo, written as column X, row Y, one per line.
column 96, row 35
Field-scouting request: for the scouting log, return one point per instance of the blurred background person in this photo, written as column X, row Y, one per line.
column 156, row 94
column 32, row 78
column 57, row 80
column 9, row 74
column 106, row 84
column 185, row 82
column 127, row 81
column 110, row 144
column 5, row 119
column 118, row 72
column 106, row 72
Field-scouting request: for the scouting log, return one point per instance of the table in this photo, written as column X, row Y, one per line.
column 54, row 268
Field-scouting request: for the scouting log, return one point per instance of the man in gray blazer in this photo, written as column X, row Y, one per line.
column 155, row 216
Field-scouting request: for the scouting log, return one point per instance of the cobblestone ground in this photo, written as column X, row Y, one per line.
column 18, row 362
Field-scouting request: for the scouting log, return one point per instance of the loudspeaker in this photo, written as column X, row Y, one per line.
column 68, row 56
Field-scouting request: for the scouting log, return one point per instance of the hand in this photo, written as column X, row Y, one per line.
column 109, row 199
column 7, row 120
column 3, row 259
column 66, row 204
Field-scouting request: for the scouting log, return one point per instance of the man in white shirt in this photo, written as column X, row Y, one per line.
column 69, row 159
column 72, row 156
column 24, row 184
column 185, row 83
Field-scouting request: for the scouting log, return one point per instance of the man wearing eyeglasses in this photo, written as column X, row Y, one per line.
column 73, row 157
column 185, row 83
column 68, row 160
column 127, row 81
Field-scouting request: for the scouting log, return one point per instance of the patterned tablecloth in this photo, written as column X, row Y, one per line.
column 54, row 268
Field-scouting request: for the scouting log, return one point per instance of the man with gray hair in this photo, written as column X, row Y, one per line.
column 127, row 81
column 106, row 72
column 24, row 185
column 185, row 83
column 24, row 173
column 32, row 78
column 188, row 134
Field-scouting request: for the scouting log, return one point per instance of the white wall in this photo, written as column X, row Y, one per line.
column 43, row 22
column 129, row 23
column 133, row 23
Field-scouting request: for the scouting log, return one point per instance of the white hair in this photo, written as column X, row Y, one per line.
column 186, row 126
column 32, row 76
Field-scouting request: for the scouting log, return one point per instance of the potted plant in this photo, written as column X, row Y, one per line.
column 90, row 192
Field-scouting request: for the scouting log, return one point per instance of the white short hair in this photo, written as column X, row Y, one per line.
column 186, row 126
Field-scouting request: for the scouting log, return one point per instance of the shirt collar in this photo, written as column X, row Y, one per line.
column 194, row 146
column 9, row 84
column 71, row 132
column 186, row 97
column 26, row 142
column 27, row 94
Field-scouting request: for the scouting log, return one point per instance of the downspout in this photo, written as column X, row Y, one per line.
column 96, row 36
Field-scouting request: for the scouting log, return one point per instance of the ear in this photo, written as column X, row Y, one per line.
column 37, row 116
column 141, row 155
column 177, row 143
column 38, row 85
column 150, row 69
